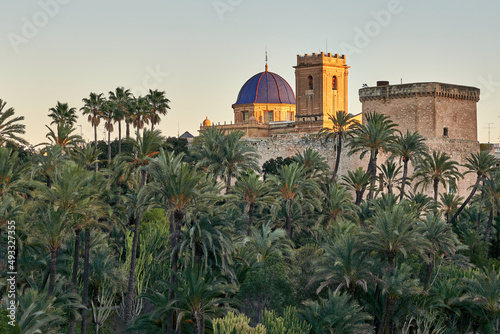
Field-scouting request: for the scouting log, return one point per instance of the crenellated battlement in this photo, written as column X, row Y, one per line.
column 434, row 89
column 321, row 59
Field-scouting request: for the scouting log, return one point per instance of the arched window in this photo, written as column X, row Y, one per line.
column 310, row 78
column 334, row 82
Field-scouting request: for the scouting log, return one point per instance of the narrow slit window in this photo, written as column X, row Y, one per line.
column 311, row 86
column 445, row 132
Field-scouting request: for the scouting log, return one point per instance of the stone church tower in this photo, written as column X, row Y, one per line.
column 321, row 90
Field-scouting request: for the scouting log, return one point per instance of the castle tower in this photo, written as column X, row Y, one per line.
column 321, row 90
column 434, row 109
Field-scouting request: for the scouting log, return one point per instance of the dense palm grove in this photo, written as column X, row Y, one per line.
column 145, row 235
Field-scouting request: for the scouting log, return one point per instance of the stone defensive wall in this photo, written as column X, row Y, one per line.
column 290, row 144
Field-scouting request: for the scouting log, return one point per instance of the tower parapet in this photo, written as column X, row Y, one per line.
column 321, row 89
column 434, row 89
column 320, row 58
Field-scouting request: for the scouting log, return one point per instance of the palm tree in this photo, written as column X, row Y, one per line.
column 108, row 114
column 206, row 237
column 63, row 114
column 357, row 181
column 64, row 137
column 10, row 129
column 484, row 291
column 409, row 147
column 435, row 169
column 343, row 265
column 443, row 241
column 491, row 189
column 139, row 112
column 338, row 313
column 86, row 156
column 449, row 203
column 373, row 136
column 342, row 127
column 200, row 297
column 294, row 189
column 312, row 161
column 337, row 203
column 394, row 231
column 147, row 147
column 158, row 104
column 225, row 155
column 93, row 108
column 251, row 192
column 178, row 188
column 121, row 98
column 397, row 284
column 265, row 242
column 389, row 172
column 52, row 228
column 11, row 173
column 75, row 191
column 482, row 164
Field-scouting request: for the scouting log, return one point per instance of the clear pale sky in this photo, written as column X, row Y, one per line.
column 200, row 52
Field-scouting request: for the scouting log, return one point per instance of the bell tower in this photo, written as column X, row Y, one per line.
column 321, row 90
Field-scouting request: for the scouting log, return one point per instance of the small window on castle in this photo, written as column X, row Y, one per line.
column 445, row 132
column 245, row 117
column 270, row 116
column 310, row 78
column 334, row 83
column 315, row 118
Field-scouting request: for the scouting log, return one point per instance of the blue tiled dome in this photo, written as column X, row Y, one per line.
column 266, row 87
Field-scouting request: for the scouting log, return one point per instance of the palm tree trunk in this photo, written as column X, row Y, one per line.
column 86, row 271
column 359, row 196
column 119, row 137
column 45, row 279
column 337, row 161
column 403, row 179
column 390, row 262
column 74, row 279
column 250, row 219
column 288, row 223
column 174, row 239
column 95, row 144
column 429, row 272
column 174, row 258
column 131, row 277
column 133, row 259
column 488, row 228
column 467, row 200
column 109, row 146
column 52, row 281
column 127, row 129
column 372, row 170
column 194, row 319
column 228, row 182
column 390, row 314
column 436, row 187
